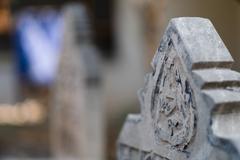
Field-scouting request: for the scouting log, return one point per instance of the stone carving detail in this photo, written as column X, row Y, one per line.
column 128, row 153
column 185, row 98
column 173, row 105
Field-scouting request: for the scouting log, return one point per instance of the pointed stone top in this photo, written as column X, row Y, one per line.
column 200, row 41
column 191, row 80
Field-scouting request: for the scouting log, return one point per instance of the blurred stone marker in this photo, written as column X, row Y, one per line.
column 190, row 102
column 77, row 113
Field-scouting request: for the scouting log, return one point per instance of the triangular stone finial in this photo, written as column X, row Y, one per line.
column 190, row 84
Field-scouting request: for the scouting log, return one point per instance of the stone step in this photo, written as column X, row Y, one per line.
column 222, row 97
column 216, row 78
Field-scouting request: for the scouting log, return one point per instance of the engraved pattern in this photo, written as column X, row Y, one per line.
column 173, row 106
column 129, row 153
column 191, row 81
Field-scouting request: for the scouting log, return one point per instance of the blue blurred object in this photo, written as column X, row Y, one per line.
column 38, row 38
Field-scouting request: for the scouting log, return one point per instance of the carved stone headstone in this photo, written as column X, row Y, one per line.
column 77, row 113
column 188, row 101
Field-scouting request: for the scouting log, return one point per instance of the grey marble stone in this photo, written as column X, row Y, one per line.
column 185, row 98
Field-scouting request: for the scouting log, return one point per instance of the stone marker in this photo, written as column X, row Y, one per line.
column 189, row 102
column 77, row 113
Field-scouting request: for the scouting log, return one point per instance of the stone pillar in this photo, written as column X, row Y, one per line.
column 77, row 125
column 139, row 24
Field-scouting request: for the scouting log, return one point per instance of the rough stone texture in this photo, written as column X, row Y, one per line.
column 172, row 105
column 186, row 99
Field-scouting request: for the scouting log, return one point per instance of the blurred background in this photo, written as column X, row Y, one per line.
column 70, row 70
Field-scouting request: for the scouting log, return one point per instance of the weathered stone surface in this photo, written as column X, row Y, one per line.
column 190, row 86
column 209, row 78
